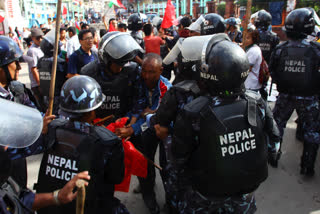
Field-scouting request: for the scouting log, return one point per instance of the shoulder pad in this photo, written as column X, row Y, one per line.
column 136, row 35
column 90, row 69
column 106, row 136
column 17, row 87
column 282, row 44
column 188, row 86
column 58, row 123
column 52, row 128
column 194, row 107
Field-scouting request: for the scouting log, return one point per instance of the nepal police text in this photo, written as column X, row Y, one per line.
column 295, row 66
column 65, row 166
column 237, row 142
column 111, row 102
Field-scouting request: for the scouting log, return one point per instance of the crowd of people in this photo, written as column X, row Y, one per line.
column 211, row 120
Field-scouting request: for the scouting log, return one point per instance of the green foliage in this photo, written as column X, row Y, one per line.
column 221, row 9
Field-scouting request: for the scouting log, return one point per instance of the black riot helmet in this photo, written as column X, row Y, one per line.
column 47, row 44
column 135, row 22
column 118, row 47
column 299, row 23
column 212, row 24
column 81, row 94
column 263, row 20
column 9, row 52
column 231, row 21
column 224, row 66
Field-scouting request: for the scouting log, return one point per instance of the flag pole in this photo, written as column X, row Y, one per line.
column 55, row 59
column 246, row 22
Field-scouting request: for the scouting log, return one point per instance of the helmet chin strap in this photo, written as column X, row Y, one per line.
column 7, row 73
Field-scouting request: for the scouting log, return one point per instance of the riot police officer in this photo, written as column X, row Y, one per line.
column 294, row 67
column 210, row 25
column 15, row 91
column 45, row 68
column 13, row 197
column 76, row 145
column 217, row 137
column 113, row 72
column 234, row 34
column 268, row 40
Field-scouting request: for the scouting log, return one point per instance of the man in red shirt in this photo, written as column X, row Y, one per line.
column 152, row 43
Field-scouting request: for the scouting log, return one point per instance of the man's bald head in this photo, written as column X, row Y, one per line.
column 151, row 69
column 152, row 58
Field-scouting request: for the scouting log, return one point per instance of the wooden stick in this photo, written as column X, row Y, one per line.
column 55, row 59
column 246, row 22
column 81, row 196
column 104, row 119
column 150, row 161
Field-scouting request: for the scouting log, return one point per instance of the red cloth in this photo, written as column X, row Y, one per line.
column 152, row 44
column 111, row 28
column 169, row 15
column 1, row 19
column 135, row 163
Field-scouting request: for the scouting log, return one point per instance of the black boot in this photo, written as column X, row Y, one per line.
column 308, row 159
column 151, row 202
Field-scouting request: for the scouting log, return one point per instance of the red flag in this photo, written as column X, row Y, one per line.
column 111, row 28
column 121, row 5
column 65, row 10
column 135, row 163
column 169, row 15
column 1, row 19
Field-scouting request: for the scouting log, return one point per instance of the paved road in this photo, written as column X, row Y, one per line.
column 284, row 192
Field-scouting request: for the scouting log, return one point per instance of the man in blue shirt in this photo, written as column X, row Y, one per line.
column 83, row 55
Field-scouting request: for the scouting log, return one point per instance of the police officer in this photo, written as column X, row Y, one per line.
column 217, row 137
column 210, row 25
column 268, row 40
column 180, row 94
column 234, row 34
column 135, row 25
column 45, row 68
column 113, row 72
column 76, row 145
column 13, row 90
column 13, row 197
column 294, row 67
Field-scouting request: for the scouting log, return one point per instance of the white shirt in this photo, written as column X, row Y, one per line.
column 73, row 44
column 254, row 55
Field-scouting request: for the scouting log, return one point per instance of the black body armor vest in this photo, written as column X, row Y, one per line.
column 297, row 70
column 45, row 68
column 231, row 157
column 267, row 42
column 71, row 152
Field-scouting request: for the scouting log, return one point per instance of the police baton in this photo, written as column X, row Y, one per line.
column 150, row 161
column 81, row 196
column 55, row 58
column 104, row 119
column 246, row 22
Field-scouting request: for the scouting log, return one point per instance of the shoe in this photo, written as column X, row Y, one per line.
column 151, row 203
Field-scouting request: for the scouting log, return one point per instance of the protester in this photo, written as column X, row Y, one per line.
column 152, row 43
column 73, row 43
column 83, row 55
column 35, row 54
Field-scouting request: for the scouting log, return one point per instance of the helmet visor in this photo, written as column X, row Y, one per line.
column 191, row 48
column 20, row 126
column 121, row 45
